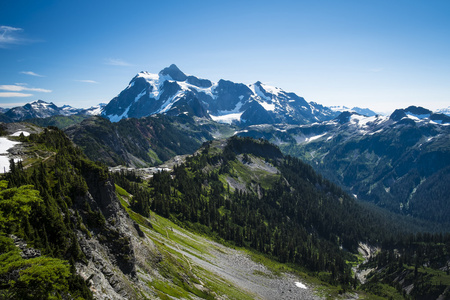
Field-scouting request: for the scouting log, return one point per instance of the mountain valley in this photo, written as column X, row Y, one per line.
column 254, row 194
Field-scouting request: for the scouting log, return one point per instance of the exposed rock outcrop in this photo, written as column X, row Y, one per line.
column 27, row 252
column 114, row 246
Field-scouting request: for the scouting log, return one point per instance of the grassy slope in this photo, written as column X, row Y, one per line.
column 196, row 266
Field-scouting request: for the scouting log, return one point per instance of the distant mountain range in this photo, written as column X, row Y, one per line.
column 400, row 162
column 171, row 92
column 362, row 111
column 445, row 111
column 41, row 109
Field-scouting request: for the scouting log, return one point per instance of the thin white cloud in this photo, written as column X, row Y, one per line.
column 31, row 73
column 86, row 81
column 9, row 36
column 12, row 104
column 117, row 62
column 20, row 88
column 11, row 95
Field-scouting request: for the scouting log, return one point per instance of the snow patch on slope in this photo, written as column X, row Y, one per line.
column 229, row 116
column 95, row 110
column 257, row 91
column 272, row 90
column 417, row 117
column 117, row 118
column 268, row 106
column 227, row 119
column 366, row 122
column 301, row 285
column 140, row 95
column 167, row 105
column 18, row 133
column 208, row 91
column 316, row 137
column 300, row 139
column 5, row 145
column 266, row 102
column 156, row 81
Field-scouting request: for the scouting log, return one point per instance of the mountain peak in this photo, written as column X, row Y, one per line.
column 174, row 72
column 41, row 102
column 418, row 110
column 397, row 115
column 344, row 117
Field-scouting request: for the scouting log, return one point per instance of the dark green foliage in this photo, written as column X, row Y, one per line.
column 141, row 202
column 61, row 122
column 129, row 181
column 2, row 129
column 140, row 142
column 419, row 261
column 261, row 147
column 34, row 278
column 37, row 205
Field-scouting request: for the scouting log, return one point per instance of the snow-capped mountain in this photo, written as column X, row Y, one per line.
column 420, row 114
column 362, row 111
column 95, row 110
column 349, row 124
column 445, row 111
column 172, row 92
column 42, row 109
column 38, row 109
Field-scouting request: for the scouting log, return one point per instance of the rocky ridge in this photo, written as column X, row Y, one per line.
column 172, row 92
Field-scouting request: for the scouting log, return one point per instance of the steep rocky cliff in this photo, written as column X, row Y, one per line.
column 108, row 242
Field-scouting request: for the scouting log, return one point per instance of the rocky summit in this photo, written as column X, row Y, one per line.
column 172, row 92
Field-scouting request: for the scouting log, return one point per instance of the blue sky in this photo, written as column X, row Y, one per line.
column 377, row 54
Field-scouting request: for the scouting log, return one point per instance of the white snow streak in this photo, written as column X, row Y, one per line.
column 313, row 138
column 25, row 133
column 227, row 119
column 5, row 145
column 156, row 81
column 301, row 285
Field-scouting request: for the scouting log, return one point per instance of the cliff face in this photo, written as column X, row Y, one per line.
column 114, row 245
